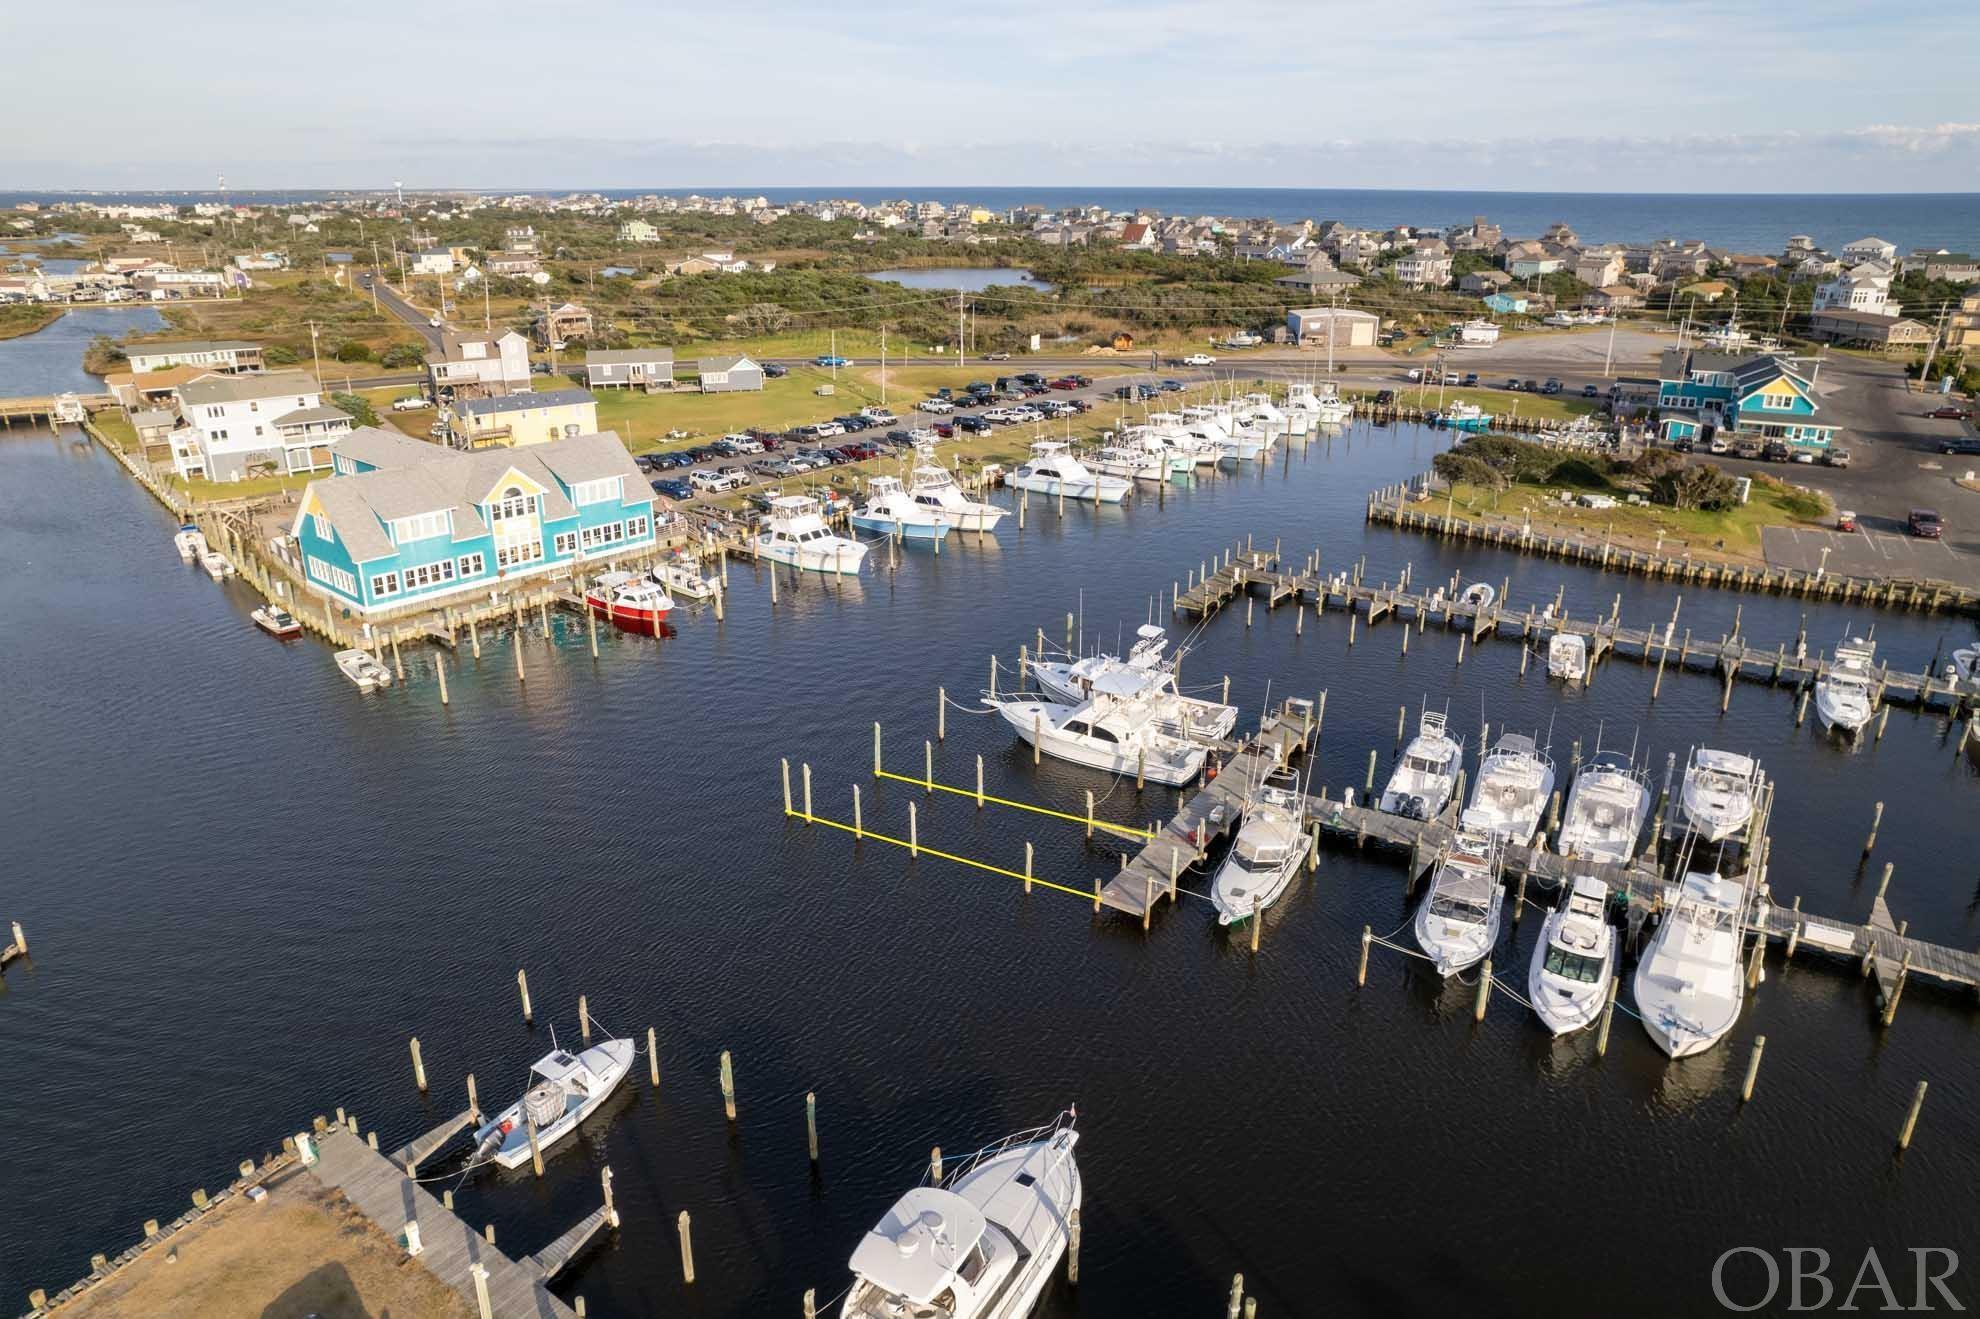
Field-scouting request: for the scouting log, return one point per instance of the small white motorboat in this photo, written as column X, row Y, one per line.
column 1574, row 959
column 216, row 564
column 276, row 621
column 681, row 577
column 982, row 1243
column 190, row 541
column 1120, row 730
column 1718, row 794
column 1136, row 464
column 566, row 1088
column 1567, row 656
column 1515, row 780
column 1267, row 852
column 1690, row 985
column 1422, row 783
column 1605, row 811
column 1965, row 665
column 1458, row 921
column 1845, row 695
column 363, row 669
column 1478, row 596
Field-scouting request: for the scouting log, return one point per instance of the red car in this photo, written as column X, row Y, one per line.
column 945, row 429
column 1950, row 412
column 1064, row 382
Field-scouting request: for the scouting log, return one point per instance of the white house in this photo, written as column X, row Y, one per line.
column 1870, row 249
column 434, row 261
column 276, row 421
column 480, row 364
column 1421, row 269
column 638, row 231
column 230, row 355
column 1866, row 288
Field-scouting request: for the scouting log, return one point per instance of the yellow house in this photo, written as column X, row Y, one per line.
column 517, row 419
column 981, row 216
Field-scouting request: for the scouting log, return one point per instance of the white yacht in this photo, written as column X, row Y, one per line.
column 1605, row 810
column 1072, row 681
column 566, row 1088
column 982, row 1244
column 1458, row 921
column 891, row 511
column 1324, row 404
column 1689, row 985
column 1423, row 781
column 798, row 536
column 1134, row 462
column 1052, row 470
column 935, row 490
column 1567, row 656
column 1845, row 696
column 1120, row 730
column 216, row 564
column 1718, row 793
column 1268, row 850
column 1515, row 780
column 1574, row 959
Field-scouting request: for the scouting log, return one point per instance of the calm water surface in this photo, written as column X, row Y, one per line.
column 970, row 279
column 49, row 361
column 246, row 886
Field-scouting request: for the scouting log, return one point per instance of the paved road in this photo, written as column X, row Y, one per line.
column 398, row 306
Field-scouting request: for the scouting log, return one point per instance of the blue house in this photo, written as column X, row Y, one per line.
column 1702, row 395
column 1506, row 304
column 403, row 523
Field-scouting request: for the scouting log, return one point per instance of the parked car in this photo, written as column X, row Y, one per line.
column 831, row 359
column 412, row 404
column 1512, row 382
column 1925, row 523
column 1079, row 405
column 768, row 467
column 1532, row 386
column 1384, row 397
column 709, row 481
column 938, row 406
column 775, row 370
column 1944, row 412
column 1551, row 387
column 1845, row 520
column 1064, row 382
column 879, row 416
column 1682, row 445
column 1750, row 449
column 1199, row 359
column 1834, row 457
column 1718, row 444
column 1590, row 391
column 1171, row 386
column 701, row 453
column 673, row 487
column 1775, row 452
column 539, row 368
column 1964, row 448
column 1414, row 373
column 745, row 443
column 973, row 425
column 827, row 429
column 944, row 430
column 1452, row 377
column 1124, row 391
column 1471, row 377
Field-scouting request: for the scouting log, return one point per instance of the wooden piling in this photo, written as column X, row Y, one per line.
column 521, row 675
column 591, row 626
column 1237, row 1297
column 522, row 986
column 1876, row 820
column 1402, row 717
column 584, row 1019
column 1484, row 991
column 811, row 1124
column 927, row 766
column 935, row 1165
column 1911, row 1118
column 419, row 1066
column 1370, row 785
column 1897, row 989
column 914, row 833
column 728, row 1087
column 1367, row 938
column 687, row 1246
column 1027, row 867
column 1884, row 884
column 1608, row 1014
column 941, row 714
column 652, row 1060
column 1752, row 1068
column 535, row 1150
column 807, row 791
column 1072, row 1250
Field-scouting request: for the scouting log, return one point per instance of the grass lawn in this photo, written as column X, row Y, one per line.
column 1498, row 402
column 224, row 492
column 278, row 310
column 116, row 427
column 1731, row 534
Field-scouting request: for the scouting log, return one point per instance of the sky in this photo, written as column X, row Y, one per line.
column 1514, row 95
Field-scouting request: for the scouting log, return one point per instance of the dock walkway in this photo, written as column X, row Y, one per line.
column 422, row 1148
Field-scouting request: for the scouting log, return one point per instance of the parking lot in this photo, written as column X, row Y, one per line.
column 1870, row 553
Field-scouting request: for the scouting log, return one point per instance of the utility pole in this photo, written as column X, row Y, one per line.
column 961, row 348
column 376, row 275
column 1925, row 371
column 1609, row 353
column 487, row 320
column 314, row 358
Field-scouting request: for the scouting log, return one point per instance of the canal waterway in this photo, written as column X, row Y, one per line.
column 247, row 885
column 967, row 279
column 49, row 361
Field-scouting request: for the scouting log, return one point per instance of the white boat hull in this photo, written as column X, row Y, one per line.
column 1837, row 713
column 610, row 1061
column 1173, row 767
column 1100, row 489
column 1239, row 894
column 1199, row 718
column 1452, row 947
column 1565, row 1006
column 842, row 557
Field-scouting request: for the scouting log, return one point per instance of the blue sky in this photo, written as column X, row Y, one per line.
column 1624, row 96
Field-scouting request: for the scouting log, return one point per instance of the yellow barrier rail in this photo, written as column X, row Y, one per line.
column 931, row 785
column 917, row 848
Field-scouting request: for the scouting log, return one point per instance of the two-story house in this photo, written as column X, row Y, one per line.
column 1423, row 269
column 480, row 365
column 513, row 420
column 1865, row 287
column 404, row 523
column 433, row 261
column 650, row 369
column 1765, row 396
column 236, row 425
column 638, row 231
column 226, row 355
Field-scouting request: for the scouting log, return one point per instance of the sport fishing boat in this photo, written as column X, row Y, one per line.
column 566, row 1089
column 891, row 511
column 1514, row 781
column 934, row 489
column 1689, row 985
column 1845, row 695
column 276, row 621
column 1458, row 921
column 798, row 536
column 979, row 1244
column 190, row 542
column 1718, row 793
column 1052, row 470
column 1324, row 403
column 1463, row 416
column 364, row 670
column 1131, row 461
column 1120, row 730
column 1574, row 959
column 1423, row 781
column 1072, row 681
column 1267, row 852
column 1567, row 656
column 1605, row 810
column 682, row 578
column 629, row 600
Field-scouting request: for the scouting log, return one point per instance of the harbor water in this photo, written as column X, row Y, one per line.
column 49, row 361
column 246, row 886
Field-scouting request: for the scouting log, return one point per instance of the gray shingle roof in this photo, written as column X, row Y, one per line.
column 722, row 363
column 625, row 356
column 189, row 346
column 302, row 416
column 239, row 389
column 549, row 398
column 378, row 447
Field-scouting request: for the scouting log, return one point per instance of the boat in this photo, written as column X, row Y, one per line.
column 1267, row 852
column 1072, row 681
column 1605, row 810
column 1478, row 596
column 1845, row 695
column 1324, row 403
column 933, row 488
column 1458, row 921
column 565, row 1089
column 1515, row 779
column 980, row 1244
column 276, row 621
column 363, row 669
column 797, row 535
column 1965, row 665
column 1574, row 960
column 1133, row 462
column 680, row 577
column 1718, row 793
column 216, row 564
column 1423, row 781
column 1120, row 730
column 1052, row 470
column 1463, row 416
column 891, row 511
column 191, row 542
column 1689, row 985
column 1567, row 656
column 629, row 600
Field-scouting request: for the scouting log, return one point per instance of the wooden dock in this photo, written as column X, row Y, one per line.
column 450, row 1248
column 553, row 1258
column 424, row 1147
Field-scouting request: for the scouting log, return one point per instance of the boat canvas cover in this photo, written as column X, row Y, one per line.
column 1116, row 682
column 1725, row 762
column 917, row 1246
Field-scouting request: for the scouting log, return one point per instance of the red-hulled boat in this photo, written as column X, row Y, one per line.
column 629, row 601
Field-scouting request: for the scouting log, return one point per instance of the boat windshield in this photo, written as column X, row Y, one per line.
column 1423, row 764
column 1573, row 966
column 1261, row 859
column 1455, row 907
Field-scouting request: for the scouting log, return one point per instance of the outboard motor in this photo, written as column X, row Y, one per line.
column 493, row 1140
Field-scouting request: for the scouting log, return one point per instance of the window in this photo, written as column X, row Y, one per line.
column 513, row 504
column 422, row 527
column 472, row 565
column 510, row 553
column 595, row 492
column 636, row 528
column 322, row 525
column 566, row 543
column 332, row 576
column 384, row 584
column 421, row 576
column 604, row 535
